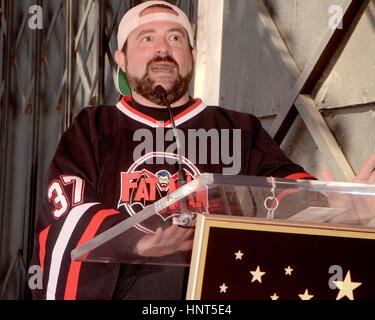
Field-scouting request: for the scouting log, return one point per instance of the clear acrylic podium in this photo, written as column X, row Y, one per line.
column 255, row 237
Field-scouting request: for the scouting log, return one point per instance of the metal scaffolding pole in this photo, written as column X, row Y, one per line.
column 67, row 114
column 32, row 160
column 6, row 21
column 101, row 50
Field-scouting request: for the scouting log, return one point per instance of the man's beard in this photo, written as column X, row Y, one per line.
column 145, row 86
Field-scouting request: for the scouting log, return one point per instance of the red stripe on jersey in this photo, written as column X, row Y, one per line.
column 283, row 194
column 186, row 111
column 300, row 175
column 75, row 266
column 196, row 104
column 138, row 113
column 42, row 246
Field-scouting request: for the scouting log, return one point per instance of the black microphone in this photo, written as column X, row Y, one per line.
column 186, row 218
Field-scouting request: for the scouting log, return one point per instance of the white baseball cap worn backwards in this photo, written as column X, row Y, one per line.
column 134, row 19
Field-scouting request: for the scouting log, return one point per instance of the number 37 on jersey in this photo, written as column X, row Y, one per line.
column 65, row 193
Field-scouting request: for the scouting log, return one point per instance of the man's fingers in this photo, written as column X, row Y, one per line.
column 327, row 175
column 366, row 173
column 148, row 242
column 177, row 232
column 172, row 235
column 186, row 245
column 157, row 236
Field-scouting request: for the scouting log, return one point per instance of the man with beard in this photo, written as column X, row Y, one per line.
column 95, row 181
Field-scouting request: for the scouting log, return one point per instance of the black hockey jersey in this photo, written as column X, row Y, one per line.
column 115, row 160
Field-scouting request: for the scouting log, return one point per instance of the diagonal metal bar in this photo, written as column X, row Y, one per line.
column 92, row 89
column 91, row 48
column 53, row 23
column 108, row 48
column 81, row 66
column 112, row 63
column 60, row 90
column 29, row 92
column 21, row 32
column 82, row 25
column 316, row 66
column 20, row 92
column 323, row 138
column 51, row 28
column 274, row 39
column 306, row 107
column 113, row 25
column 83, row 73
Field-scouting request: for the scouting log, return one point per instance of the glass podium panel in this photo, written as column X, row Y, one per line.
column 163, row 233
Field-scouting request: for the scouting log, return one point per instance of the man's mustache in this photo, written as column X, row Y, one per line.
column 166, row 58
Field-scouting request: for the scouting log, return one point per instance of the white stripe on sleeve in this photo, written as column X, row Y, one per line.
column 60, row 246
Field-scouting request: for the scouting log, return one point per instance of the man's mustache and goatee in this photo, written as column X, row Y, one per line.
column 145, row 86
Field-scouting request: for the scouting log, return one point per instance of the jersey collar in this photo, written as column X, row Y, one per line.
column 190, row 112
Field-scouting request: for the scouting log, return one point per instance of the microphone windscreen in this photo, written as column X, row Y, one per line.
column 160, row 92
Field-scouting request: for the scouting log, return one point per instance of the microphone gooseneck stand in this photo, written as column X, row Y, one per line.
column 185, row 218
